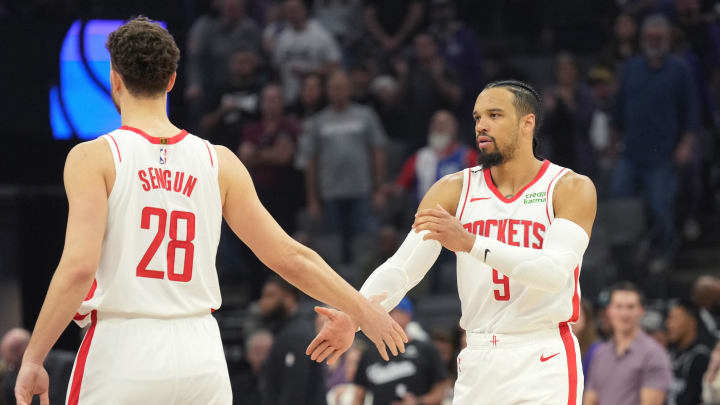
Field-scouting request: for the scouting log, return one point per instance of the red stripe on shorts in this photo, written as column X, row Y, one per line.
column 571, row 356
column 80, row 362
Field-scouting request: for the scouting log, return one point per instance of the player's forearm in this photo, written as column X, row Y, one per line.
column 403, row 271
column 308, row 272
column 548, row 269
column 67, row 290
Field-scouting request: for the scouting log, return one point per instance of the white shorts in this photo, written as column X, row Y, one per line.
column 536, row 368
column 131, row 361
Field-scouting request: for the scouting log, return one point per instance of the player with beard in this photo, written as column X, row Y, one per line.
column 519, row 226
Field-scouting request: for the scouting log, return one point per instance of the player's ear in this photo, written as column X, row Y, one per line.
column 529, row 123
column 114, row 80
column 171, row 82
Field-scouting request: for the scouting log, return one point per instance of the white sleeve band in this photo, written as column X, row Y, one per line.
column 548, row 269
column 403, row 270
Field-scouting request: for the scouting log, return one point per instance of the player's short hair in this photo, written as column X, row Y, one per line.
column 145, row 55
column 527, row 101
column 284, row 285
column 627, row 286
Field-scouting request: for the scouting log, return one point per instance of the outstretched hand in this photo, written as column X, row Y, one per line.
column 32, row 380
column 335, row 337
column 444, row 228
column 338, row 332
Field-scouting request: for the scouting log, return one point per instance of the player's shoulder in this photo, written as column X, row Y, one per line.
column 452, row 180
column 445, row 192
column 576, row 184
column 96, row 150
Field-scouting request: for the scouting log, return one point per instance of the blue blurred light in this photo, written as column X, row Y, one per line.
column 84, row 89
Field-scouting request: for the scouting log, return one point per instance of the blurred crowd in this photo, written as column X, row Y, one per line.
column 345, row 112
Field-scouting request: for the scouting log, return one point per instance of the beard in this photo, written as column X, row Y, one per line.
column 275, row 315
column 498, row 156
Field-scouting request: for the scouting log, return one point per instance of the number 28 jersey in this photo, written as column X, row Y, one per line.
column 163, row 229
column 491, row 301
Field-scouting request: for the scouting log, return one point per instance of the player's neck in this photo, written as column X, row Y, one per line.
column 511, row 176
column 148, row 115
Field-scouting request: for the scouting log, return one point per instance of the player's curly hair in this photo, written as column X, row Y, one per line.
column 145, row 55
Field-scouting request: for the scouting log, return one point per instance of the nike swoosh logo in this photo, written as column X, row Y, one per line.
column 486, row 252
column 478, row 199
column 544, row 359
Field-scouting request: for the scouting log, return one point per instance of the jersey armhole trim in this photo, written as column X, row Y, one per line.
column 116, row 148
column 207, row 145
column 549, row 209
column 467, row 192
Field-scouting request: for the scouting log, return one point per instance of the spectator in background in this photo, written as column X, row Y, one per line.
column 12, row 347
column 312, row 96
column 569, row 112
column 631, row 368
column 360, row 79
column 289, row 376
column 58, row 363
column 417, row 376
column 235, row 103
column 711, row 379
column 601, row 82
column 387, row 242
column 345, row 163
column 706, row 295
column 246, row 387
column 427, row 84
column 392, row 23
column 688, row 353
column 342, row 19
column 267, row 150
column 657, row 115
column 303, row 47
column 211, row 42
column 702, row 33
column 624, row 44
column 341, row 390
column 447, row 347
column 393, row 112
column 459, row 46
column 586, row 332
column 443, row 155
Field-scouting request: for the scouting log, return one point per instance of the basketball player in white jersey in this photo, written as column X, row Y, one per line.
column 145, row 206
column 519, row 226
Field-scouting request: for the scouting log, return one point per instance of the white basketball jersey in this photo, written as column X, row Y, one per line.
column 491, row 301
column 163, row 229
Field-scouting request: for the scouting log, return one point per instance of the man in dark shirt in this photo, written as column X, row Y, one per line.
column 657, row 114
column 689, row 354
column 416, row 377
column 392, row 23
column 234, row 102
column 289, row 376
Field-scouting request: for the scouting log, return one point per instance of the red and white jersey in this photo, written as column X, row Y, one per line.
column 163, row 229
column 491, row 301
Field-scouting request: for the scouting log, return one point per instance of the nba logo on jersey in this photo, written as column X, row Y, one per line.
column 163, row 156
